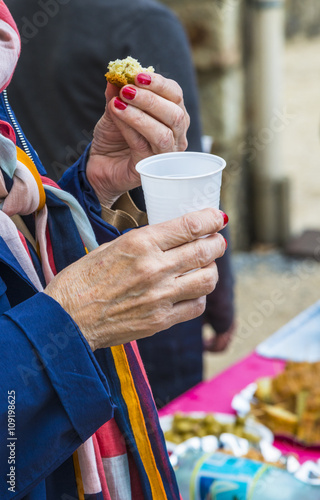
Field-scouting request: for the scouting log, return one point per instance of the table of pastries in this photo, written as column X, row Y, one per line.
column 297, row 342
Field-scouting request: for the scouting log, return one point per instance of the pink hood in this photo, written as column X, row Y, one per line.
column 9, row 46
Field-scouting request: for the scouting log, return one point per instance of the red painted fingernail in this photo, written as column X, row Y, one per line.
column 129, row 93
column 144, row 79
column 120, row 104
column 225, row 218
column 226, row 243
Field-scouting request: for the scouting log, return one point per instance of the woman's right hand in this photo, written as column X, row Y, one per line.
column 135, row 285
column 151, row 119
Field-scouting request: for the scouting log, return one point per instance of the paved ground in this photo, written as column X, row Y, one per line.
column 272, row 289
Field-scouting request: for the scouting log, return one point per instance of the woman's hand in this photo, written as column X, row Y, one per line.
column 135, row 286
column 139, row 121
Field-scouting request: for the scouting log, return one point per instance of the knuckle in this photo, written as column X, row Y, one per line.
column 218, row 219
column 159, row 320
column 133, row 238
column 142, row 145
column 208, row 281
column 176, row 92
column 222, row 244
column 162, row 84
column 150, row 102
column 188, row 120
column 178, row 119
column 166, row 140
column 153, row 298
column 204, row 251
column 213, row 278
column 199, row 306
column 137, row 241
column 139, row 268
column 147, row 269
column 168, row 86
column 183, row 144
column 139, row 120
column 152, row 267
column 193, row 225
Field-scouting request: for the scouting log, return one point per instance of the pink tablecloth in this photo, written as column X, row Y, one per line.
column 216, row 395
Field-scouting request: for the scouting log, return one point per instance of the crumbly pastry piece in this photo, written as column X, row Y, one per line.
column 264, row 391
column 278, row 419
column 123, row 71
column 289, row 403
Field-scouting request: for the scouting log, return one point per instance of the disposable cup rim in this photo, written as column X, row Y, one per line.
column 141, row 163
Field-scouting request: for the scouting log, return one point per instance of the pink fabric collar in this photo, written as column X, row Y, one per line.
column 9, row 46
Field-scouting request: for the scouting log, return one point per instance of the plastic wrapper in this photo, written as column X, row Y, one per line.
column 309, row 472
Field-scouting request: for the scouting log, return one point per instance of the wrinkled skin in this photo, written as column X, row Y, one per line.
column 135, row 286
column 155, row 121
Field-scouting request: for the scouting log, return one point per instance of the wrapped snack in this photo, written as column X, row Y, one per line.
column 237, row 471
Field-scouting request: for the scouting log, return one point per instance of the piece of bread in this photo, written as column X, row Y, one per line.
column 289, row 403
column 279, row 420
column 123, row 71
column 264, row 390
column 309, row 428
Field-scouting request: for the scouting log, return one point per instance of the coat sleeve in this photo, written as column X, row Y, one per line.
column 54, row 395
column 220, row 311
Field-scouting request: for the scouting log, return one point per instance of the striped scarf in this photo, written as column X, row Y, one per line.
column 126, row 458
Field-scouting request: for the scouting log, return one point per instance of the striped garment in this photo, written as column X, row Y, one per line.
column 45, row 229
column 126, row 458
column 102, row 464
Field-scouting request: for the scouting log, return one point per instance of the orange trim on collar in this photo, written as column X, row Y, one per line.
column 27, row 162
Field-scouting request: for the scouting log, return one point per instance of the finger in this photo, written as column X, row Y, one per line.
column 164, row 87
column 160, row 137
column 138, row 144
column 187, row 228
column 196, row 284
column 186, row 310
column 111, row 92
column 167, row 112
column 197, row 254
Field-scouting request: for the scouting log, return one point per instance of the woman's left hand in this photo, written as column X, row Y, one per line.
column 139, row 121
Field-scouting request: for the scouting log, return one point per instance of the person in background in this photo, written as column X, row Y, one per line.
column 72, row 42
column 77, row 416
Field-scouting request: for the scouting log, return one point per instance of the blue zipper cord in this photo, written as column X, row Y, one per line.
column 23, row 142
column 15, row 125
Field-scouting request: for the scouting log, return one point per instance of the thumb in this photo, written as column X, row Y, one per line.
column 111, row 92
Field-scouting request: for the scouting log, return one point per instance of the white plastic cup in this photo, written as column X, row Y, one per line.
column 178, row 183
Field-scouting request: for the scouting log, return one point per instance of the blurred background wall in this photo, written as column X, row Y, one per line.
column 238, row 51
